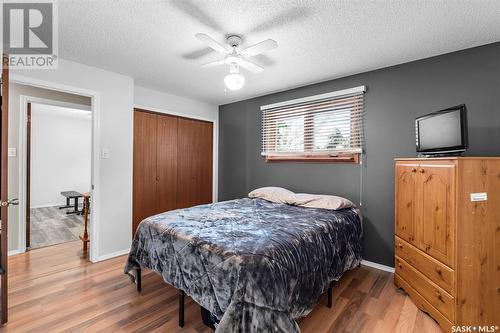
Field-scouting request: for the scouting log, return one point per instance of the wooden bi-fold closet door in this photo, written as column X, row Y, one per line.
column 144, row 183
column 172, row 163
column 166, row 163
column 194, row 162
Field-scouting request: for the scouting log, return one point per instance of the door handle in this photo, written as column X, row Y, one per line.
column 13, row 202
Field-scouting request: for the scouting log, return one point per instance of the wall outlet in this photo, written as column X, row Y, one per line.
column 12, row 152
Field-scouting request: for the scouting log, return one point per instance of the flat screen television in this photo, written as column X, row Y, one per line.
column 443, row 132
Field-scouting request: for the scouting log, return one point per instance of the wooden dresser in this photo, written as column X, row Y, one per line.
column 448, row 238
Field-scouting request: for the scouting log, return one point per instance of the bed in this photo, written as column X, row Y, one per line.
column 255, row 265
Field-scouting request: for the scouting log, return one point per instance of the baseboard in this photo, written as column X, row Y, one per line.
column 377, row 266
column 16, row 251
column 112, row 255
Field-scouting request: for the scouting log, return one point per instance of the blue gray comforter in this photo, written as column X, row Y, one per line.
column 256, row 265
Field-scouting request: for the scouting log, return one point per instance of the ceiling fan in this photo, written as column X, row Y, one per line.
column 236, row 57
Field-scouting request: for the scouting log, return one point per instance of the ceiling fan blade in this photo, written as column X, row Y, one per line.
column 251, row 66
column 212, row 43
column 258, row 48
column 214, row 63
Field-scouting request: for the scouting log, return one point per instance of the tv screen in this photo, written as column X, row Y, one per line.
column 442, row 132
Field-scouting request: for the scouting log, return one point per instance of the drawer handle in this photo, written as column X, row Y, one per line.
column 413, row 170
column 440, row 297
column 422, row 170
column 439, row 271
column 400, row 266
column 400, row 245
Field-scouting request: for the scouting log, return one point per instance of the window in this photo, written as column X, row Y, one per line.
column 327, row 127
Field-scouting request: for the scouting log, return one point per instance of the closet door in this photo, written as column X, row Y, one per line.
column 144, row 184
column 194, row 162
column 166, row 195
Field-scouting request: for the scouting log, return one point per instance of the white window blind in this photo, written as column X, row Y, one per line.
column 327, row 124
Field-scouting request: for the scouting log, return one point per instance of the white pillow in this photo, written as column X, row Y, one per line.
column 273, row 194
column 320, row 201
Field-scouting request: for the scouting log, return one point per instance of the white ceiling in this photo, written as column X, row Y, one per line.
column 153, row 41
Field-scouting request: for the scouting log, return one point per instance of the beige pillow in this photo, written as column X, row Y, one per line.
column 320, row 201
column 273, row 194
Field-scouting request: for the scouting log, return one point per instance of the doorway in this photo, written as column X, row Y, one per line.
column 17, row 93
column 58, row 175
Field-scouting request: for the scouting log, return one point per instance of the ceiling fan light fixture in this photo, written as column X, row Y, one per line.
column 234, row 81
column 235, row 57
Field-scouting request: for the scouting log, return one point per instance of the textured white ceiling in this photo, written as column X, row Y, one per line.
column 153, row 41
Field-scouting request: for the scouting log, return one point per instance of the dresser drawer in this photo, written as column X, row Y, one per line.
column 436, row 296
column 437, row 272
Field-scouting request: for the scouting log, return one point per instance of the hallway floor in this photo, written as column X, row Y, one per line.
column 51, row 225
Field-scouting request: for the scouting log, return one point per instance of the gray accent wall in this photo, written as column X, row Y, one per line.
column 395, row 97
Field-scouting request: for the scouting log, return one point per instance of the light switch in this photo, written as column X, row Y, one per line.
column 105, row 153
column 12, row 152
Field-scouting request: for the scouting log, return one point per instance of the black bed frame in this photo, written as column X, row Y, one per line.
column 205, row 314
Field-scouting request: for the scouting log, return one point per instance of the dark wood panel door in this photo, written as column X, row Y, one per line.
column 166, row 170
column 4, row 223
column 194, row 166
column 144, row 183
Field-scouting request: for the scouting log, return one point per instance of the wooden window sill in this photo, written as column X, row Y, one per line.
column 351, row 158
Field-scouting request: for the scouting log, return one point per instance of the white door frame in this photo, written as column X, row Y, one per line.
column 95, row 109
column 23, row 155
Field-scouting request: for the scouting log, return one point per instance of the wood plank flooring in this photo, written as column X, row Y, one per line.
column 51, row 225
column 53, row 289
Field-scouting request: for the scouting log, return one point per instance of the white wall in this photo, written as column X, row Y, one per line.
column 60, row 153
column 162, row 102
column 112, row 123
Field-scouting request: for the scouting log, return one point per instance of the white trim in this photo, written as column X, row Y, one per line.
column 349, row 91
column 16, row 251
column 215, row 144
column 112, row 255
column 22, row 153
column 96, row 108
column 377, row 266
column 53, row 102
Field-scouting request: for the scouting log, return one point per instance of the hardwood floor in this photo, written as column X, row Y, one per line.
column 54, row 289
